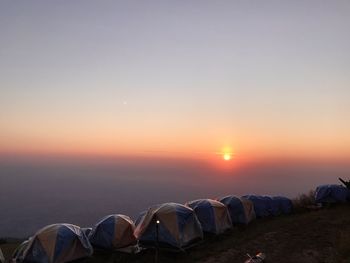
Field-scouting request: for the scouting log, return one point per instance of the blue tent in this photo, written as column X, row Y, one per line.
column 113, row 232
column 19, row 251
column 285, row 205
column 331, row 193
column 56, row 243
column 241, row 209
column 274, row 205
column 178, row 226
column 213, row 215
column 86, row 230
column 262, row 205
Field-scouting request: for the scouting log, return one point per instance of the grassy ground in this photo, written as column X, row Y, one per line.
column 317, row 236
column 8, row 245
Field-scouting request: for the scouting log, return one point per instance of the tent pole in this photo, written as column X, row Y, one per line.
column 157, row 241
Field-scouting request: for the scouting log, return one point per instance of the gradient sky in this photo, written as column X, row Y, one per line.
column 179, row 78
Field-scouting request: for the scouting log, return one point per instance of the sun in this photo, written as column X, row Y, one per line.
column 226, row 153
column 227, row 156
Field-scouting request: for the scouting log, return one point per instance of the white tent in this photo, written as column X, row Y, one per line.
column 2, row 258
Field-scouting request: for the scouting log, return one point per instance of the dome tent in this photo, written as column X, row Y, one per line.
column 56, row 243
column 285, row 205
column 241, row 209
column 273, row 204
column 86, row 230
column 140, row 217
column 178, row 226
column 213, row 215
column 113, row 232
column 262, row 205
column 18, row 253
column 331, row 193
column 2, row 259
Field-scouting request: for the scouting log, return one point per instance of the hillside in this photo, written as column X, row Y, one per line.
column 317, row 236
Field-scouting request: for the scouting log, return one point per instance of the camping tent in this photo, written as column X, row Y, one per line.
column 331, row 193
column 18, row 253
column 241, row 209
column 284, row 204
column 86, row 230
column 2, row 258
column 273, row 204
column 169, row 225
column 262, row 205
column 213, row 215
column 113, row 232
column 56, row 243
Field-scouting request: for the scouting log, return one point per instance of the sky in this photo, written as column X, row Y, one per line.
column 184, row 79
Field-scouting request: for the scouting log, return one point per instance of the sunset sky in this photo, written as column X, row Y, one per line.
column 268, row 79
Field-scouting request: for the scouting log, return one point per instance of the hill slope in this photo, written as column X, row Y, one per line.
column 318, row 236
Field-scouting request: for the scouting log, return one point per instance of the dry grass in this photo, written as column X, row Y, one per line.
column 304, row 201
column 343, row 244
column 8, row 248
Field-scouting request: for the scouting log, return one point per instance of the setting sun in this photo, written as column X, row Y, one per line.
column 226, row 153
column 227, row 156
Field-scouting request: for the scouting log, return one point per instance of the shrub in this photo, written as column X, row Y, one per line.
column 304, row 201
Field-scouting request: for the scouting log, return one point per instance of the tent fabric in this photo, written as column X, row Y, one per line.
column 331, row 193
column 86, row 230
column 262, row 205
column 2, row 258
column 113, row 232
column 19, row 251
column 213, row 215
column 273, row 204
column 141, row 215
column 56, row 243
column 241, row 209
column 284, row 204
column 178, row 226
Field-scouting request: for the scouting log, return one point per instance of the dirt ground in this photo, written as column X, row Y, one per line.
column 318, row 236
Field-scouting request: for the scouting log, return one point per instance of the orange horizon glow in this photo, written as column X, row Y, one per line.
column 209, row 138
column 212, row 159
column 205, row 142
column 186, row 150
